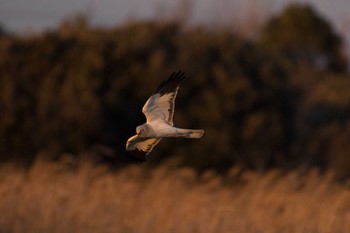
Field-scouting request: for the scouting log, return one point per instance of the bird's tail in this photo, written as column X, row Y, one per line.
column 191, row 133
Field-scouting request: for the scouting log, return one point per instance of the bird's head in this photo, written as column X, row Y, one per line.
column 139, row 130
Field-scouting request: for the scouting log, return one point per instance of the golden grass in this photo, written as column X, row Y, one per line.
column 51, row 198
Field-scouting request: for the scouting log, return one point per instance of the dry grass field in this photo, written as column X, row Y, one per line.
column 50, row 197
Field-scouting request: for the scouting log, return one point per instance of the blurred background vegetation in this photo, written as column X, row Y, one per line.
column 281, row 99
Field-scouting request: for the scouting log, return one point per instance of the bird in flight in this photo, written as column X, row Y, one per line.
column 159, row 112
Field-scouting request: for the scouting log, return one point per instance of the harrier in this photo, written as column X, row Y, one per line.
column 159, row 112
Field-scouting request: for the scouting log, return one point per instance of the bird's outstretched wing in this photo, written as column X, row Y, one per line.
column 139, row 148
column 162, row 103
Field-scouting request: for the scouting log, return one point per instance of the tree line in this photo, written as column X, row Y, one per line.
column 280, row 100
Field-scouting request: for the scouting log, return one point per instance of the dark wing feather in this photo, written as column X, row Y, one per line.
column 171, row 84
column 138, row 155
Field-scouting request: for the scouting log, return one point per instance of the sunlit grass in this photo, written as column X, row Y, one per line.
column 50, row 197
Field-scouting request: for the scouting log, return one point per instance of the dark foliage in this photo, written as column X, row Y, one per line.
column 80, row 89
column 303, row 36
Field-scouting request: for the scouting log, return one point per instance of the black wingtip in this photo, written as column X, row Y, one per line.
column 138, row 155
column 170, row 84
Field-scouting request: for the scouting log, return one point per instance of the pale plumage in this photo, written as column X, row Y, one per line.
column 159, row 112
